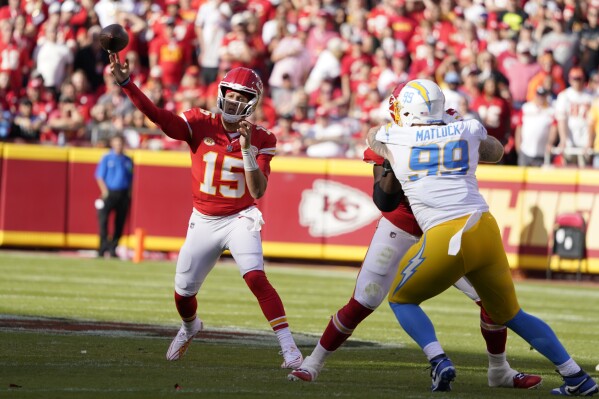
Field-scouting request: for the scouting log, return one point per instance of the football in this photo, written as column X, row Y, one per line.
column 114, row 38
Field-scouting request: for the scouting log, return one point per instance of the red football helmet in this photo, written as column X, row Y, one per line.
column 246, row 82
column 394, row 105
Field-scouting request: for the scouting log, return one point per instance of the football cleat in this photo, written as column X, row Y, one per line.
column 579, row 384
column 301, row 374
column 307, row 371
column 527, row 381
column 442, row 374
column 292, row 358
column 507, row 377
column 182, row 341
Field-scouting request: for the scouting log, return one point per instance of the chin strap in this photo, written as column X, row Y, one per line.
column 230, row 118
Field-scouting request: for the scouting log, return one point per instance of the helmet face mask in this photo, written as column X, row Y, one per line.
column 245, row 82
column 420, row 102
column 233, row 106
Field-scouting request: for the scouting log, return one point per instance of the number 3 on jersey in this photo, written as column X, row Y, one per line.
column 449, row 159
column 226, row 175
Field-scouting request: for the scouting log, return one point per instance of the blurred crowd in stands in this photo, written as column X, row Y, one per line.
column 528, row 69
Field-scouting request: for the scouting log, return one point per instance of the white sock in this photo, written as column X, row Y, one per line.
column 320, row 354
column 192, row 325
column 285, row 338
column 568, row 368
column 432, row 350
column 497, row 361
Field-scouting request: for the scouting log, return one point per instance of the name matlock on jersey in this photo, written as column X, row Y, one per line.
column 436, row 132
column 218, row 177
column 425, row 158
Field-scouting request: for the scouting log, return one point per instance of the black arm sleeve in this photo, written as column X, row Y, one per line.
column 384, row 201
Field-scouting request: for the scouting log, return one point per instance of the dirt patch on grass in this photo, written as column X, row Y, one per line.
column 122, row 329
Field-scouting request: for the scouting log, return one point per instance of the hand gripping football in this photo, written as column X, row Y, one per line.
column 114, row 38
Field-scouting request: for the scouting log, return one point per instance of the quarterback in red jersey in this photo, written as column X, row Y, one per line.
column 396, row 232
column 230, row 161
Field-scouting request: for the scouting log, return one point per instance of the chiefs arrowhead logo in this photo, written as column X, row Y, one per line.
column 331, row 209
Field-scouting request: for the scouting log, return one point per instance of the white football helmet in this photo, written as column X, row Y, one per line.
column 421, row 101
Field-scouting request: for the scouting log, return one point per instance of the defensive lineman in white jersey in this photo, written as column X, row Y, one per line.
column 448, row 156
column 436, row 164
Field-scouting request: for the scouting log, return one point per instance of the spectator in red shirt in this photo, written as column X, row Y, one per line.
column 67, row 24
column 84, row 96
column 402, row 24
column 319, row 35
column 328, row 98
column 494, row 111
column 381, row 17
column 11, row 10
column 260, row 50
column 467, row 43
column 135, row 27
column 24, row 39
column 9, row 96
column 351, row 68
column 171, row 55
column 487, row 65
column 191, row 90
column 238, row 48
column 289, row 141
column 443, row 30
column 65, row 124
column 43, row 103
column 262, row 9
column 470, row 87
column 183, row 29
column 13, row 59
column 427, row 62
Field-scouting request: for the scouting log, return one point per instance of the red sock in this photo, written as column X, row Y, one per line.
column 268, row 299
column 343, row 323
column 186, row 306
column 495, row 335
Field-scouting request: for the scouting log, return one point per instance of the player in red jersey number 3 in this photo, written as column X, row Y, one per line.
column 230, row 162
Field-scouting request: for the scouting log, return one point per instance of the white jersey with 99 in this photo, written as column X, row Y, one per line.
column 436, row 166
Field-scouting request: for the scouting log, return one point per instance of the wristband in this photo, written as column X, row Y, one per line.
column 124, row 82
column 249, row 160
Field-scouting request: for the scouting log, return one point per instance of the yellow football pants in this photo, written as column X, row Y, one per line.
column 426, row 270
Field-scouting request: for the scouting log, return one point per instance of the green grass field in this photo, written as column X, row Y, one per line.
column 380, row 361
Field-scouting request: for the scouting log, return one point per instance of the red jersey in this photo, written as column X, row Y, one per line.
column 402, row 216
column 173, row 57
column 218, row 178
column 495, row 114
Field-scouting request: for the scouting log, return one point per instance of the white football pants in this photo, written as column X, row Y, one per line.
column 207, row 238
